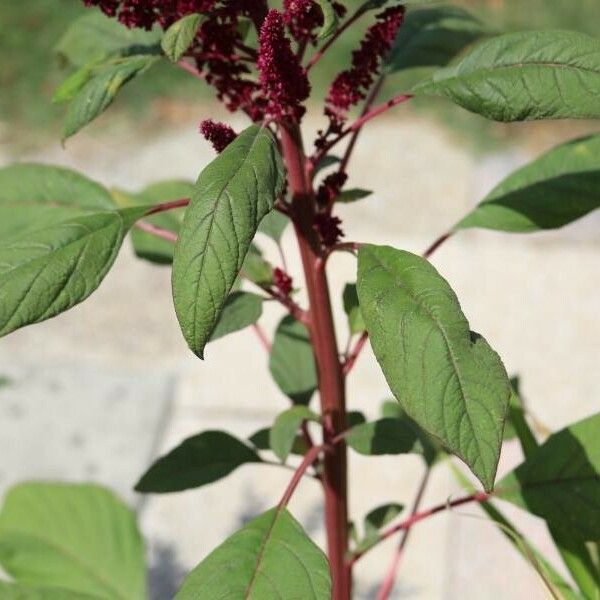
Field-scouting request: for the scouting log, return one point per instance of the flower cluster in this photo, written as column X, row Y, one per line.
column 328, row 228
column 219, row 135
column 283, row 80
column 330, row 188
column 283, row 282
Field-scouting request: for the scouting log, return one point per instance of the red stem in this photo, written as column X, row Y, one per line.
column 331, row 381
column 262, row 336
column 165, row 234
column 186, row 66
column 164, row 206
column 388, row 582
column 309, row 459
column 437, row 244
column 354, row 354
column 421, row 516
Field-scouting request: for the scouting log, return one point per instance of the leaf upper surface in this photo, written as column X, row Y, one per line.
column 525, row 76
column 447, row 379
column 232, row 195
column 268, row 559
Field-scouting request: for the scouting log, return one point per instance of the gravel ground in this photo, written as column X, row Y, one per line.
column 95, row 393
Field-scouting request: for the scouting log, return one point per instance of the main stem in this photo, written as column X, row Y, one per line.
column 331, row 380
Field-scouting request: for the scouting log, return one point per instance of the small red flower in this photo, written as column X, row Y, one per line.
column 328, row 228
column 283, row 282
column 220, row 135
column 330, row 188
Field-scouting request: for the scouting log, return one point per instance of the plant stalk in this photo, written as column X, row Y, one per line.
column 331, row 380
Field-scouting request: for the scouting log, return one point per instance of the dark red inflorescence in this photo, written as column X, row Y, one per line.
column 283, row 282
column 328, row 228
column 220, row 135
column 283, row 79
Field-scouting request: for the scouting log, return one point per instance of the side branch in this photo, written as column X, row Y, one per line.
column 355, row 353
column 309, row 459
column 437, row 244
column 165, row 206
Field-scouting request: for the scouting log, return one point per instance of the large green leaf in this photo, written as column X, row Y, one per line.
column 433, row 37
column 197, row 461
column 47, row 271
column 179, row 36
column 292, row 362
column 36, row 195
column 284, row 432
column 560, row 481
column 14, row 591
column 78, row 537
column 269, row 558
column 525, row 76
column 385, row 436
column 101, row 89
column 240, row 310
column 233, row 193
column 447, row 379
column 94, row 37
column 561, row 186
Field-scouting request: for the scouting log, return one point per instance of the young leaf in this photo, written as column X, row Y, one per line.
column 379, row 517
column 95, row 37
column 197, row 461
column 100, row 91
column 327, row 161
column 285, row 429
column 78, row 537
column 33, row 196
column 558, row 188
column 433, row 37
column 151, row 247
column 274, row 225
column 241, row 309
column 233, row 194
column 385, row 436
column 352, row 195
column 525, row 76
column 73, row 84
column 261, row 441
column 560, row 481
column 330, row 19
column 446, row 378
column 179, row 36
column 51, row 269
column 356, row 323
column 292, row 362
column 256, row 268
column 270, row 557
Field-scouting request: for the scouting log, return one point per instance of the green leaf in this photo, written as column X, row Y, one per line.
column 261, row 441
column 270, row 557
column 330, row 19
column 33, row 196
column 233, row 194
column 352, row 195
column 355, row 417
column 179, row 36
column 327, row 161
column 197, row 461
column 51, row 269
column 433, row 37
column 560, row 481
column 14, row 591
column 381, row 516
column 446, row 378
column 356, row 323
column 285, row 429
column 551, row 577
column 525, row 76
column 273, row 225
column 100, row 91
column 151, row 247
column 558, row 188
column 425, row 445
column 241, row 309
column 256, row 268
column 95, row 37
column 385, row 436
column 79, row 537
column 73, row 84
column 292, row 362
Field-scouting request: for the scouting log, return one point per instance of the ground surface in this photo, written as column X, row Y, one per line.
column 98, row 392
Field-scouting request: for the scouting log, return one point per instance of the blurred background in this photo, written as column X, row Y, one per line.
column 100, row 391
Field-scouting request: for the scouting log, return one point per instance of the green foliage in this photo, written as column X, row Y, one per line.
column 179, row 36
column 270, row 557
column 273, row 225
column 292, row 362
column 556, row 189
column 197, row 461
column 447, row 379
column 385, row 436
column 525, row 76
column 14, row 591
column 560, row 481
column 432, row 37
column 374, row 521
column 356, row 323
column 233, row 194
column 285, row 429
column 330, row 19
column 48, row 270
column 256, row 268
column 77, row 537
column 352, row 195
column 241, row 309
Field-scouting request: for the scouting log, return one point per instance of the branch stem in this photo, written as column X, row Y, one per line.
column 437, row 244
